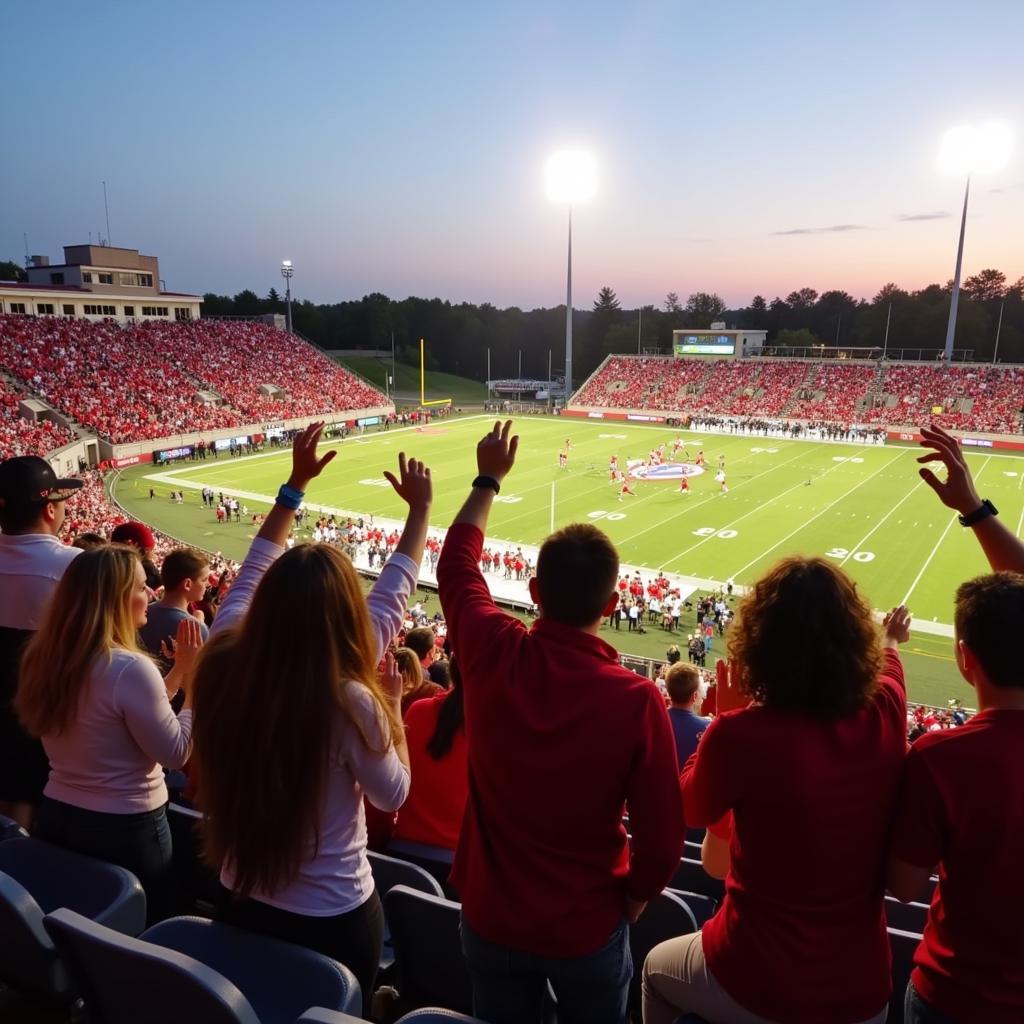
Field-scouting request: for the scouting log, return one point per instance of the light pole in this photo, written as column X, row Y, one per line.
column 571, row 178
column 967, row 150
column 287, row 269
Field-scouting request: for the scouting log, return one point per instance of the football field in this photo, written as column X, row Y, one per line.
column 864, row 507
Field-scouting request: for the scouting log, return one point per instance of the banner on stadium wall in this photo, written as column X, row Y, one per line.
column 594, row 415
column 966, row 442
column 170, row 454
column 131, row 460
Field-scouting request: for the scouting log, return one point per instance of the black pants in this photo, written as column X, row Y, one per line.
column 355, row 939
column 139, row 842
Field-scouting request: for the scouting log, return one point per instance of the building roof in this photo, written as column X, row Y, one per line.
column 77, row 292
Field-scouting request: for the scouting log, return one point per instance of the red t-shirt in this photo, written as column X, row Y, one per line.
column 961, row 806
column 801, row 934
column 560, row 738
column 432, row 813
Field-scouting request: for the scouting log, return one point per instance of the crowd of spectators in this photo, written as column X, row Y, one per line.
column 982, row 398
column 550, row 880
column 142, row 381
column 19, row 436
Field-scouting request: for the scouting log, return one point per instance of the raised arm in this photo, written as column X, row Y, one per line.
column 390, row 594
column 465, row 597
column 268, row 544
column 1003, row 550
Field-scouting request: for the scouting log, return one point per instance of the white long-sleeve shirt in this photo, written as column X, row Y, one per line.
column 337, row 878
column 125, row 732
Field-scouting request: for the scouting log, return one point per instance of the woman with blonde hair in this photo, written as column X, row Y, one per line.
column 414, row 686
column 294, row 726
column 104, row 716
column 805, row 755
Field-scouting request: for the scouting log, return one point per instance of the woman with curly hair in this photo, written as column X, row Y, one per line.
column 808, row 770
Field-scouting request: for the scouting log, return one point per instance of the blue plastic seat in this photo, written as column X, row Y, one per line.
column 702, row 907
column 10, row 829
column 37, row 878
column 391, row 871
column 690, row 876
column 279, row 979
column 436, row 860
column 433, row 1015
column 196, row 885
column 665, row 917
column 906, row 917
column 428, row 950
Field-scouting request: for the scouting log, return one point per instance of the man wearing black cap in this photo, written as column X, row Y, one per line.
column 32, row 561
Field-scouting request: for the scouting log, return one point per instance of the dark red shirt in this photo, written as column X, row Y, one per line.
column 801, row 933
column 961, row 807
column 561, row 737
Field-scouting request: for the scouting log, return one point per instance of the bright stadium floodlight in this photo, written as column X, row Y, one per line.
column 570, row 177
column 970, row 149
column 286, row 272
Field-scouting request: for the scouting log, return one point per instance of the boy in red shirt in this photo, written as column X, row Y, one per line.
column 559, row 734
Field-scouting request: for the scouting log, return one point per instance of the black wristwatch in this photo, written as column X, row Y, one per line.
column 985, row 509
column 487, row 481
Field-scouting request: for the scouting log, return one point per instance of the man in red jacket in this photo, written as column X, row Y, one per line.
column 562, row 740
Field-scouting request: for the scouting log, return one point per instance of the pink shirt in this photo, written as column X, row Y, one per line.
column 125, row 732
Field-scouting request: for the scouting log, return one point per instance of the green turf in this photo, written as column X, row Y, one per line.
column 864, row 507
column 407, row 381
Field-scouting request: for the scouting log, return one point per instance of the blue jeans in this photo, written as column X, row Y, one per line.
column 917, row 1011
column 509, row 985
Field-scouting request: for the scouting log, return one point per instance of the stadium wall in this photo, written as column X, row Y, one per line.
column 909, row 433
column 142, row 451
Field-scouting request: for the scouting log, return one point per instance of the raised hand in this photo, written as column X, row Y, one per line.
column 187, row 642
column 305, row 464
column 496, row 452
column 957, row 490
column 729, row 695
column 413, row 484
column 390, row 678
column 896, row 626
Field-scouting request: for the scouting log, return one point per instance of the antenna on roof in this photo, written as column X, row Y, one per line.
column 28, row 259
column 106, row 211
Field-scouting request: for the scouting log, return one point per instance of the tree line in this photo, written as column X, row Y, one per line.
column 459, row 334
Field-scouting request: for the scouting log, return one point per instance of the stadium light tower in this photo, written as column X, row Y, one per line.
column 967, row 150
column 286, row 272
column 571, row 176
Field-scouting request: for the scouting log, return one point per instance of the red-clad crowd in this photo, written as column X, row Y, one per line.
column 20, row 436
column 142, row 381
column 982, row 398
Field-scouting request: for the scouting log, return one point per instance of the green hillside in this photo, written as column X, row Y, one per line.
column 461, row 390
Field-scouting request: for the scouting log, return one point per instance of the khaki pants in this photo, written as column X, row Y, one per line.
column 676, row 980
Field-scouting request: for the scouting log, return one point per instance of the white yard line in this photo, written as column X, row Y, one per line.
column 938, row 543
column 806, row 523
column 867, row 535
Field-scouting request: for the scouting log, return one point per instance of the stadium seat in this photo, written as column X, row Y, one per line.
column 904, row 945
column 433, row 1015
column 279, row 979
column 907, row 917
column 37, row 878
column 10, row 829
column 702, row 907
column 690, row 876
column 391, row 871
column 318, row 1015
column 428, row 950
column 196, row 884
column 434, row 859
column 125, row 980
column 665, row 917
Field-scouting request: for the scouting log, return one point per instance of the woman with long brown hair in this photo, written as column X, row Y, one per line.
column 104, row 716
column 805, row 753
column 294, row 726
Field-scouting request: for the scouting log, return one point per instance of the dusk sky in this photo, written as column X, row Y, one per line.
column 399, row 147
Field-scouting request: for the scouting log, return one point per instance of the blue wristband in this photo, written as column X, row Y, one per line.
column 290, row 498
